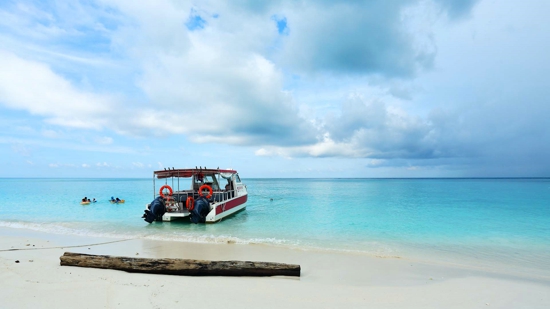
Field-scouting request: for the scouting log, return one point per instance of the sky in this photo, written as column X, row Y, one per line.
column 274, row 89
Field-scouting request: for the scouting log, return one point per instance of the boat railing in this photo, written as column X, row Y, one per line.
column 179, row 199
column 222, row 196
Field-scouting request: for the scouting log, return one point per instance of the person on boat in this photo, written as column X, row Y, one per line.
column 228, row 188
column 85, row 199
column 112, row 199
column 117, row 200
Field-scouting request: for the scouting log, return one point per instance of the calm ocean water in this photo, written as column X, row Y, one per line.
column 474, row 221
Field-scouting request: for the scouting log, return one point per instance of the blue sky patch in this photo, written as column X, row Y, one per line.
column 282, row 25
column 195, row 21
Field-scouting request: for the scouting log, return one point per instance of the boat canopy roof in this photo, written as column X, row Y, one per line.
column 189, row 172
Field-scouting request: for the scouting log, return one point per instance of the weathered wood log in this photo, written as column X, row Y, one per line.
column 182, row 267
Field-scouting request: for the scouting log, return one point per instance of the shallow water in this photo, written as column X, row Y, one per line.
column 484, row 222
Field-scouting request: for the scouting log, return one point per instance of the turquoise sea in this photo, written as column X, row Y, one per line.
column 476, row 222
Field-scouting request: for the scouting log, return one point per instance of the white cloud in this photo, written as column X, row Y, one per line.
column 50, row 134
column 394, row 82
column 21, row 149
column 262, row 152
column 105, row 140
column 224, row 70
column 361, row 37
column 370, row 130
column 376, row 162
column 52, row 96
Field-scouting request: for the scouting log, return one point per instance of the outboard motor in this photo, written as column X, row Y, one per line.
column 156, row 210
column 201, row 210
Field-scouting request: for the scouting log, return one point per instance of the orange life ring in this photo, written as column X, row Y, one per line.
column 165, row 187
column 190, row 203
column 206, row 187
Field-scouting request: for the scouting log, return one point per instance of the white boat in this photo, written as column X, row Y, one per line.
column 204, row 195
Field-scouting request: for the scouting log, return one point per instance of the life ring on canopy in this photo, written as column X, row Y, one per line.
column 165, row 187
column 206, row 187
column 190, row 203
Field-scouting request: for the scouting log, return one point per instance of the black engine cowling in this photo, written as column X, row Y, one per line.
column 201, row 210
column 156, row 210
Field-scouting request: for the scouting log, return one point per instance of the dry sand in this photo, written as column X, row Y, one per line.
column 328, row 280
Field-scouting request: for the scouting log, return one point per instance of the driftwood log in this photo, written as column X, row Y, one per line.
column 183, row 267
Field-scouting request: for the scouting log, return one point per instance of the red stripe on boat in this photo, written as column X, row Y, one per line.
column 231, row 204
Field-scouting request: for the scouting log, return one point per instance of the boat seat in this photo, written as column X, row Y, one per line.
column 181, row 197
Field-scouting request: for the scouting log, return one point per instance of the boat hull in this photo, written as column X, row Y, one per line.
column 227, row 208
column 217, row 212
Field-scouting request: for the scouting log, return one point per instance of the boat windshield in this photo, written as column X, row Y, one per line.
column 206, row 180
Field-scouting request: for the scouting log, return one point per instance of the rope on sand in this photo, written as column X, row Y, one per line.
column 62, row 247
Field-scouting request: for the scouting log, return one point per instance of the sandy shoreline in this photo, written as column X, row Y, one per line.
column 328, row 280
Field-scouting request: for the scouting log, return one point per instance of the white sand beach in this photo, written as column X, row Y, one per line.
column 328, row 280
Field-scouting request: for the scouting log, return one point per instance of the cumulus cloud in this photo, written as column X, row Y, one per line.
column 52, row 96
column 226, row 98
column 219, row 72
column 357, row 37
column 372, row 129
column 224, row 67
